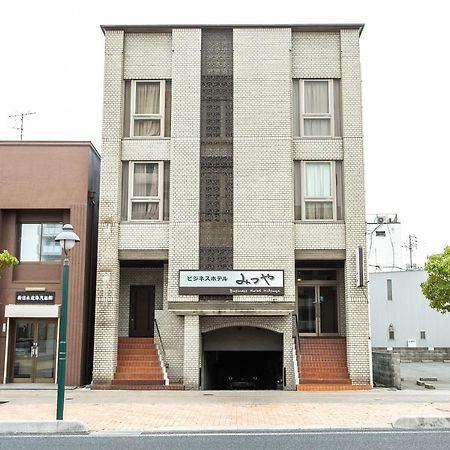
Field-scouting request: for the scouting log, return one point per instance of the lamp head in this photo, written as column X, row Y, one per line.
column 67, row 238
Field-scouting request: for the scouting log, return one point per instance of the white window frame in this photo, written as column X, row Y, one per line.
column 160, row 116
column 329, row 115
column 331, row 199
column 145, row 199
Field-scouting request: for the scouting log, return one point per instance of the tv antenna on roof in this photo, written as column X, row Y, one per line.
column 411, row 245
column 21, row 115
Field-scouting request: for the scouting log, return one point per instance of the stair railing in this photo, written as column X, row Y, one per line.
column 297, row 348
column 161, row 353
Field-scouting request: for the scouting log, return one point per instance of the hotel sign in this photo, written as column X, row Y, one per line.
column 231, row 282
column 35, row 298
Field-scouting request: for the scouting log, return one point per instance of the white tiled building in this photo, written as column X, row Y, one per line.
column 232, row 148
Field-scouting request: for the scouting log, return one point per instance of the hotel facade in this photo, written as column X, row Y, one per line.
column 232, row 233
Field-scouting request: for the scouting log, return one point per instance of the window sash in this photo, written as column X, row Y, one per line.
column 135, row 198
column 310, row 123
column 324, row 117
column 46, row 249
column 155, row 120
column 304, row 203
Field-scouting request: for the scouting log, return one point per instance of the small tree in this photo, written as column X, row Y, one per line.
column 7, row 260
column 436, row 287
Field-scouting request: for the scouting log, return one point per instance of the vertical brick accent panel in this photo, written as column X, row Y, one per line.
column 191, row 352
column 185, row 157
column 107, row 299
column 357, row 320
column 76, row 312
column 263, row 183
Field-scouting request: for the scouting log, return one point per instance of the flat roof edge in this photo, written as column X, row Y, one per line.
column 15, row 143
column 295, row 27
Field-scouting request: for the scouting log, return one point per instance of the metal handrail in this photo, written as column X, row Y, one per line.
column 160, row 341
column 297, row 343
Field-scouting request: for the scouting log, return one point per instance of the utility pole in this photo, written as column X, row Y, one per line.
column 410, row 245
column 21, row 115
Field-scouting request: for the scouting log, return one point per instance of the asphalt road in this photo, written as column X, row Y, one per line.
column 282, row 439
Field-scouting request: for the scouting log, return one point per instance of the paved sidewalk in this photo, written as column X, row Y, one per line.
column 150, row 410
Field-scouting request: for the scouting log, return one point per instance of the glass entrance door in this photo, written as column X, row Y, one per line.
column 317, row 310
column 34, row 351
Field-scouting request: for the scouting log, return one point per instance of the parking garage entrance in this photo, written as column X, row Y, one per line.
column 242, row 358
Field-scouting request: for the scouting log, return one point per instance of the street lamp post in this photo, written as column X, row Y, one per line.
column 67, row 239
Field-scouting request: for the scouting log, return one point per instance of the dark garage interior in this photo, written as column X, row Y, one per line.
column 242, row 357
column 243, row 370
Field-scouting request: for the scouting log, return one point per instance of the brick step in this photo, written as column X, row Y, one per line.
column 317, row 357
column 139, row 373
column 134, row 381
column 136, row 347
column 326, row 380
column 142, row 374
column 138, row 363
column 314, row 372
column 150, row 353
column 135, row 339
column 333, row 387
column 138, row 352
column 147, row 387
column 323, row 367
column 324, row 362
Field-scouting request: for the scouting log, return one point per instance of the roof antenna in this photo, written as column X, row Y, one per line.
column 21, row 115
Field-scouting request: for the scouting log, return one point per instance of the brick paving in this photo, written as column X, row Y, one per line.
column 127, row 411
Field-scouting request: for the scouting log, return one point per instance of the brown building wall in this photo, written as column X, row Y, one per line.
column 50, row 182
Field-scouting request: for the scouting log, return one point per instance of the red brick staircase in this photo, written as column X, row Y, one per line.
column 323, row 365
column 139, row 367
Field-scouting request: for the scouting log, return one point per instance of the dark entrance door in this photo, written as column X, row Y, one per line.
column 142, row 311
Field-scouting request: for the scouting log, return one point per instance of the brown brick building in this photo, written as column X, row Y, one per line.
column 42, row 186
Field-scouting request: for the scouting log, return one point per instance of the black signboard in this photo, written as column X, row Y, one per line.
column 35, row 298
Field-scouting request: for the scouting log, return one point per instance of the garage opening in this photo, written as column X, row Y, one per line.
column 242, row 358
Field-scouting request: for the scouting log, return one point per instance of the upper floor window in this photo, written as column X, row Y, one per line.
column 317, row 108
column 318, row 190
column 37, row 242
column 147, row 108
column 145, row 190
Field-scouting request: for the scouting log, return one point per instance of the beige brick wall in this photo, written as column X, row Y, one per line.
column 357, row 324
column 185, row 157
column 316, row 55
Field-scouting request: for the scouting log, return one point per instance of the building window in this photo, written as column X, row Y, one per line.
column 145, row 190
column 389, row 289
column 423, row 335
column 318, row 190
column 317, row 108
column 147, row 108
column 391, row 332
column 37, row 242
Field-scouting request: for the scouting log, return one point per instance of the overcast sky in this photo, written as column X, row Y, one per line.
column 52, row 64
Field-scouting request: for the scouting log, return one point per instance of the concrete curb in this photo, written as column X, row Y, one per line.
column 43, row 427
column 420, row 423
